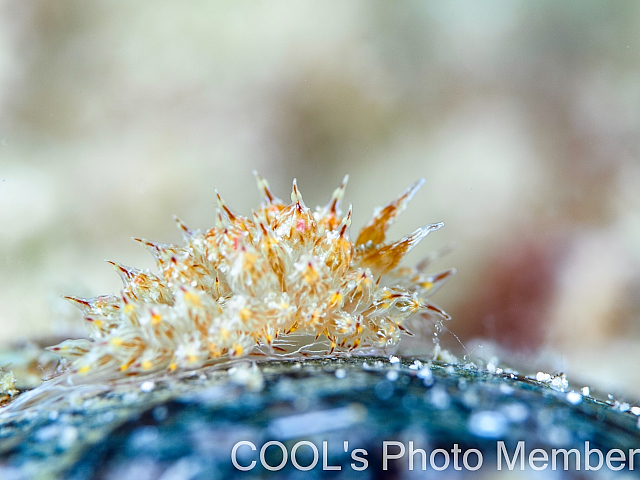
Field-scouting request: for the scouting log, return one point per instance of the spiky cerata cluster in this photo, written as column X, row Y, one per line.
column 285, row 281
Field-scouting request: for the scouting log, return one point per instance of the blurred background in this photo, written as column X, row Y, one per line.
column 524, row 118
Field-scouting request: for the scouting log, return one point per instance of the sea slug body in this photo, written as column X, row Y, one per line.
column 287, row 281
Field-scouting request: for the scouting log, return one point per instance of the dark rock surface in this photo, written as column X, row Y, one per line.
column 185, row 426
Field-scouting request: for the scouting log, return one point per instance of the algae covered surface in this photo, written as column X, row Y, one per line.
column 186, row 425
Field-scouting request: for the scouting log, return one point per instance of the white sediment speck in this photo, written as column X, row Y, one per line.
column 623, row 407
column 488, row 424
column 340, row 373
column 249, row 377
column 439, row 398
column 392, row 375
column 427, row 377
column 312, row 423
column 47, row 433
column 506, row 389
column 107, row 417
column 147, row 386
column 129, row 397
column 416, row 365
column 543, row 377
column 68, row 436
column 470, row 398
column 560, row 383
column 394, row 359
column 574, row 398
column 586, row 391
column 558, row 436
column 516, row 412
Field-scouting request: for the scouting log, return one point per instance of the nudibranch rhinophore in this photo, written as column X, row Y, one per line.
column 287, row 281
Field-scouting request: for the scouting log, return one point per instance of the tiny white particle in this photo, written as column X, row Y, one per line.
column 394, row 359
column 560, row 383
column 488, row 424
column 506, row 389
column 439, row 398
column 107, row 417
column 516, row 412
column 147, row 386
column 585, row 391
column 635, row 410
column 427, row 377
column 392, row 375
column 543, row 377
column 129, row 397
column 67, row 437
column 574, row 398
column 340, row 373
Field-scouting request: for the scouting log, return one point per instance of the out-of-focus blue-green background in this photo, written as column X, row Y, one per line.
column 524, row 118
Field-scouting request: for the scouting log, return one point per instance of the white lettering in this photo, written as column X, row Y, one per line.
column 632, row 452
column 456, row 450
column 587, row 457
column 534, row 458
column 284, row 456
column 325, row 459
column 385, row 452
column 554, row 457
column 432, row 459
column 234, row 460
column 502, row 451
column 364, row 461
column 422, row 453
column 465, row 460
column 620, row 458
column 294, row 460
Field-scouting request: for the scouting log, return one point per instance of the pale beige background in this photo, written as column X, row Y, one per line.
column 522, row 116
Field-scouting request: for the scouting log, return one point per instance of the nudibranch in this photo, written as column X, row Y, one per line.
column 287, row 281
